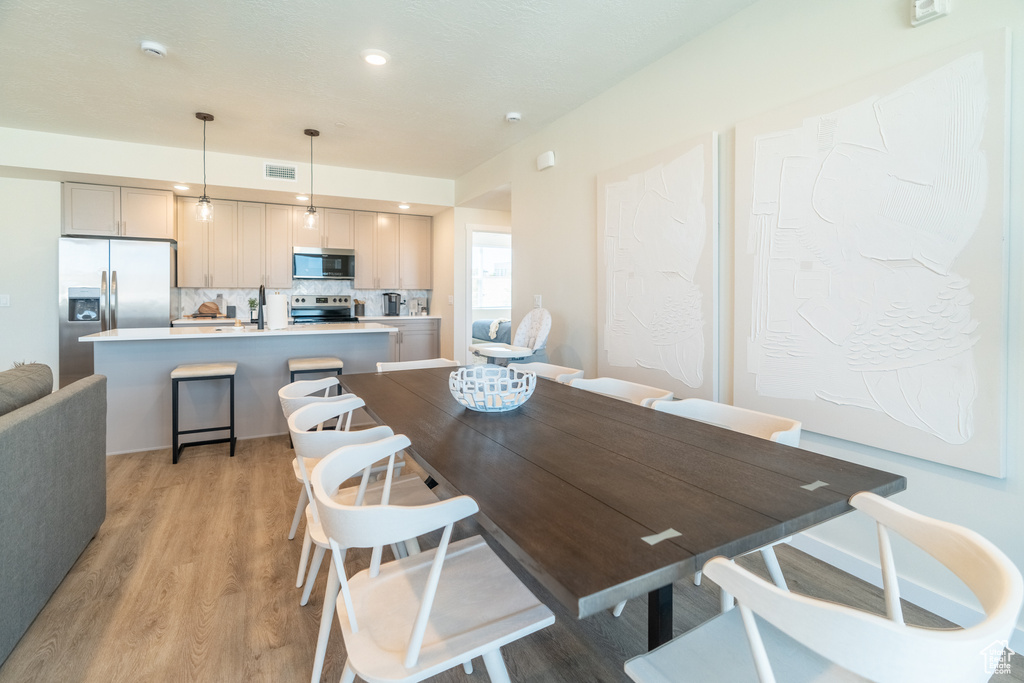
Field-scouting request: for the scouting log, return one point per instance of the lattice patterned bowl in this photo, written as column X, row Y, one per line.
column 491, row 388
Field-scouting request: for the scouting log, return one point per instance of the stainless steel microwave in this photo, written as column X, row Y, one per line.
column 323, row 264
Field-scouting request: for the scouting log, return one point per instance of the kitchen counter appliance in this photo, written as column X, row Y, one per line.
column 107, row 284
column 316, row 308
column 392, row 303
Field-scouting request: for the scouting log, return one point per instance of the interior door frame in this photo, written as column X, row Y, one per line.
column 470, row 229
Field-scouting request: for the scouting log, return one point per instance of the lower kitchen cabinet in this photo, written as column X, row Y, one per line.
column 417, row 339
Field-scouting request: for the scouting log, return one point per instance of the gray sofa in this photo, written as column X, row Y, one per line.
column 53, row 487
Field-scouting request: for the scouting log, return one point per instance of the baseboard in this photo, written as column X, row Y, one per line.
column 941, row 605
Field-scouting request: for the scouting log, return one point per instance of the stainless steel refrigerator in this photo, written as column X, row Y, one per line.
column 109, row 283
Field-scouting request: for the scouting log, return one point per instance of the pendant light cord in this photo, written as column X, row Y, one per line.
column 311, row 171
column 204, row 157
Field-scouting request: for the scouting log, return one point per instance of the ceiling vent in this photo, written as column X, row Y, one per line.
column 278, row 172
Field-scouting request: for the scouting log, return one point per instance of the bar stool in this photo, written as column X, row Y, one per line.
column 321, row 364
column 191, row 373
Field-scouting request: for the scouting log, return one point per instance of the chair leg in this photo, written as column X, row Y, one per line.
column 495, row 666
column 300, row 508
column 412, row 547
column 696, row 577
column 307, row 541
column 174, row 421
column 348, row 675
column 774, row 570
column 725, row 601
column 314, row 567
column 232, row 423
column 467, row 666
column 326, row 616
column 617, row 610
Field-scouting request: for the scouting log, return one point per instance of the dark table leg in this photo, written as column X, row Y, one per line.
column 659, row 617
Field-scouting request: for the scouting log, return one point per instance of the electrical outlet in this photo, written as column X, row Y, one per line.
column 5, row 299
column 536, row 301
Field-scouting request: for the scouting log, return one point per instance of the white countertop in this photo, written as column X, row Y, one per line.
column 194, row 332
column 400, row 317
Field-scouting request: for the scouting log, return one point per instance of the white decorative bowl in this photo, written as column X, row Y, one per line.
column 491, row 388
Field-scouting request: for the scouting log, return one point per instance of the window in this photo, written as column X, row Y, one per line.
column 492, row 270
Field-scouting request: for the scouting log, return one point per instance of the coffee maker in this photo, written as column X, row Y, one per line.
column 392, row 303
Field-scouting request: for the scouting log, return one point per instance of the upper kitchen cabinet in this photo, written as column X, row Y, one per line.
column 334, row 229
column 147, row 213
column 376, row 246
column 117, row 211
column 414, row 252
column 208, row 252
column 277, row 256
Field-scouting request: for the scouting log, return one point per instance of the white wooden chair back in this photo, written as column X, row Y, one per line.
column 298, row 394
column 770, row 427
column 559, row 373
column 640, row 394
column 318, row 444
column 358, row 526
column 416, row 364
column 533, row 330
column 885, row 649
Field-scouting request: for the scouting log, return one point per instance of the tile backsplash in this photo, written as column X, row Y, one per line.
column 239, row 298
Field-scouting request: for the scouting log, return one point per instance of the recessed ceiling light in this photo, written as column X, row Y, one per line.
column 403, row 206
column 181, row 187
column 153, row 48
column 302, row 197
column 375, row 57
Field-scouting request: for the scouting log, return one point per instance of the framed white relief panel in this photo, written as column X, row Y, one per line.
column 871, row 262
column 658, row 269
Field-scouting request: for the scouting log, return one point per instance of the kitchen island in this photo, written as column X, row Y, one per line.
column 138, row 364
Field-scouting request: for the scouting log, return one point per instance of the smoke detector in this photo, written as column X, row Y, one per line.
column 513, row 117
column 153, row 49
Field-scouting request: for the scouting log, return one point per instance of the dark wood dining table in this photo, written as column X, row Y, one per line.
column 575, row 485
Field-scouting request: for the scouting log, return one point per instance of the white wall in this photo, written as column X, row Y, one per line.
column 29, row 229
column 444, row 278
column 774, row 53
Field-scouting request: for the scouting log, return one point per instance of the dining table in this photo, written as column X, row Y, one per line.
column 602, row 500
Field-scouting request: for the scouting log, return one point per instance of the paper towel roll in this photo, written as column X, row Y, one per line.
column 277, row 311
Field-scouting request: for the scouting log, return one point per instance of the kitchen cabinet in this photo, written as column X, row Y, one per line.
column 417, row 339
column 117, row 211
column 334, row 229
column 277, row 256
column 252, row 246
column 376, row 246
column 208, row 252
column 414, row 252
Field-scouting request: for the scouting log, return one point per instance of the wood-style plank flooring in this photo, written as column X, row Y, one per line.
column 192, row 578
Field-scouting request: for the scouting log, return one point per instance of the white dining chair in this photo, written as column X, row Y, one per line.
column 529, row 342
column 771, row 427
column 640, row 394
column 417, row 616
column 779, row 635
column 559, row 373
column 416, row 364
column 296, row 395
column 310, row 447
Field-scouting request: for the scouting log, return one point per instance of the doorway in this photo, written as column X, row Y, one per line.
column 490, row 286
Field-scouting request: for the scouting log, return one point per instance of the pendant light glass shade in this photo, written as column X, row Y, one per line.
column 204, row 207
column 312, row 219
column 204, row 210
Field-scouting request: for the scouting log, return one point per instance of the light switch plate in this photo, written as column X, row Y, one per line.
column 536, row 301
column 451, row 299
column 5, row 299
column 928, row 10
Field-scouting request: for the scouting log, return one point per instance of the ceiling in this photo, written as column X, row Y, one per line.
column 267, row 69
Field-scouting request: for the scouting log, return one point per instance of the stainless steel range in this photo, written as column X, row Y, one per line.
column 315, row 308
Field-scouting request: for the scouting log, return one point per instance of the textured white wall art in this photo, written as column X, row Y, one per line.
column 658, row 248
column 871, row 263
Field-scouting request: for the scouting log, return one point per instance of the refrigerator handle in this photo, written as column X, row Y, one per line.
column 104, row 302
column 113, row 299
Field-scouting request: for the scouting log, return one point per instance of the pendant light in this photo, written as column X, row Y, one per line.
column 312, row 219
column 204, row 207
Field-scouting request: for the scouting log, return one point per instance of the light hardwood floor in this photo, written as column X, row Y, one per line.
column 192, row 578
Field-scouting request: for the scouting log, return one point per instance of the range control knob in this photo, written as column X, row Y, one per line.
column 303, row 299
